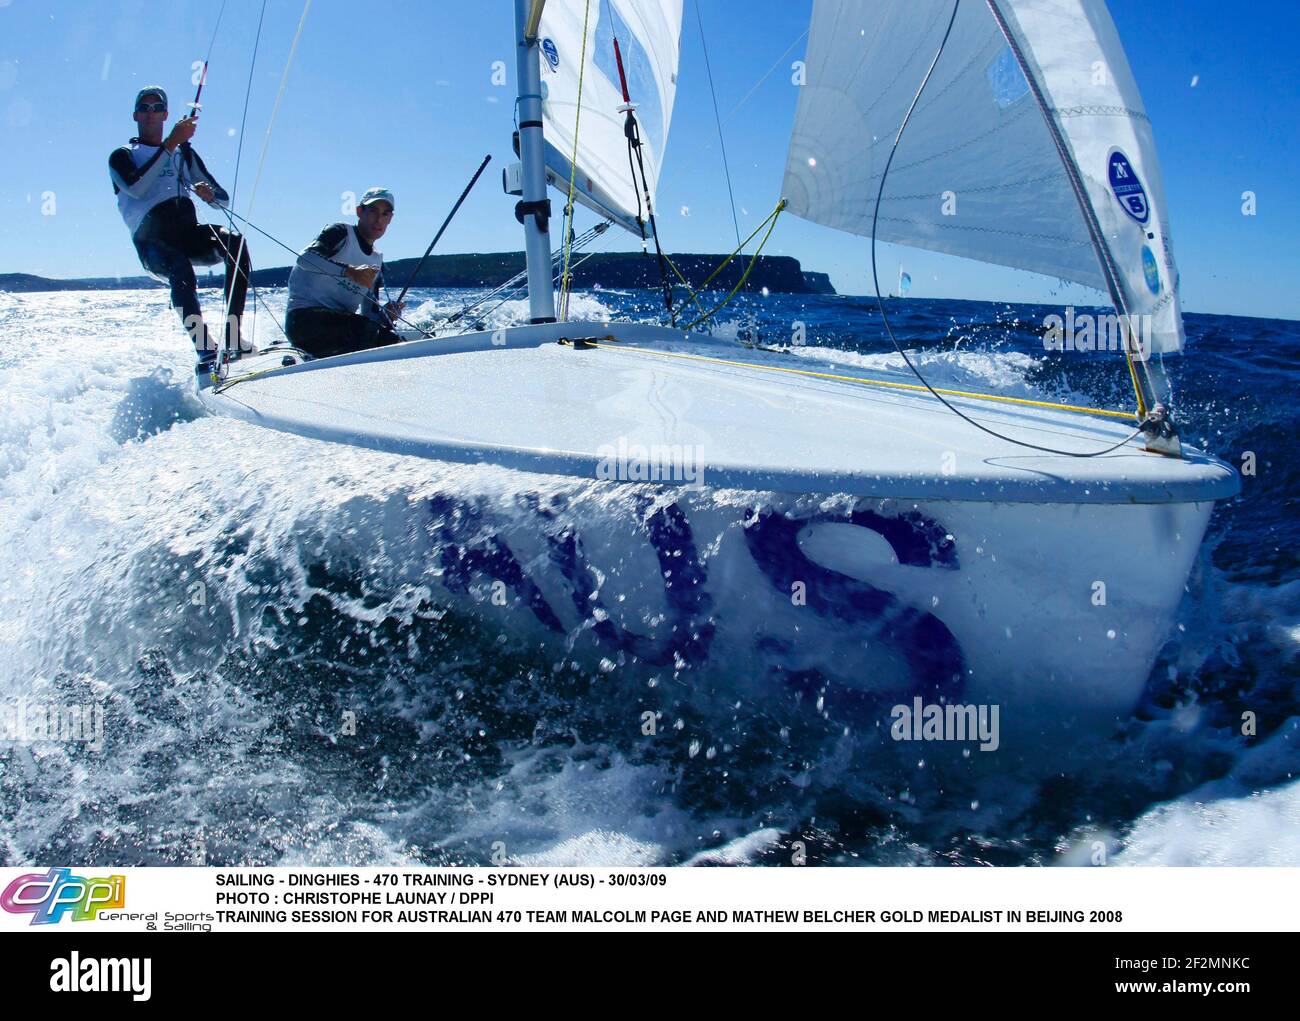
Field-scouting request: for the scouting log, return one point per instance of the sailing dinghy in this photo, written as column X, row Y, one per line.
column 878, row 537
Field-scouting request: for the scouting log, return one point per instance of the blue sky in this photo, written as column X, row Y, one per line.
column 399, row 92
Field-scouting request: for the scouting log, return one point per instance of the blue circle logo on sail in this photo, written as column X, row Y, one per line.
column 1127, row 188
column 552, row 54
column 1150, row 269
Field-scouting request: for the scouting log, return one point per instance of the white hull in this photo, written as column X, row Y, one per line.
column 865, row 571
column 866, row 602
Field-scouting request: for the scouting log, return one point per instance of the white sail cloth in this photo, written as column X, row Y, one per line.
column 649, row 36
column 978, row 172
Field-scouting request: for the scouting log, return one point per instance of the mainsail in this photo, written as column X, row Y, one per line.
column 1029, row 147
column 648, row 33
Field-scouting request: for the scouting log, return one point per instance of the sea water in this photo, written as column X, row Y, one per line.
column 244, row 610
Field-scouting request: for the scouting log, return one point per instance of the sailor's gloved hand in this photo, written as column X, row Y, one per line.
column 182, row 131
column 362, row 276
column 394, row 309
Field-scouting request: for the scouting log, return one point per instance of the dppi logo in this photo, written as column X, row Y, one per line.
column 47, row 898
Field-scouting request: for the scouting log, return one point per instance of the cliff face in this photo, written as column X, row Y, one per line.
column 818, row 283
column 18, row 282
column 778, row 273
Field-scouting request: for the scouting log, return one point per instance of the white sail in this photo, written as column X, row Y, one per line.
column 648, row 33
column 979, row 172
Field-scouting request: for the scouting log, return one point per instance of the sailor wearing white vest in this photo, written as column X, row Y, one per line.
column 152, row 177
column 334, row 289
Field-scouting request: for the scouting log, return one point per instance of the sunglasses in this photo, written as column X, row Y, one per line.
column 151, row 108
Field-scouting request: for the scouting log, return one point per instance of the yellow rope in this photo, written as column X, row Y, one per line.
column 695, row 295
column 1025, row 401
column 614, row 344
column 225, row 384
column 1132, row 372
column 690, row 290
column 573, row 173
column 771, row 225
column 739, row 248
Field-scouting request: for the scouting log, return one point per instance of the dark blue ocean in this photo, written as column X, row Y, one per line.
column 124, row 504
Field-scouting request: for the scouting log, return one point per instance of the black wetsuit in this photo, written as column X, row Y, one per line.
column 322, row 332
column 152, row 185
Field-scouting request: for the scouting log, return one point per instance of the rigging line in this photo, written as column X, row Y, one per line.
column 248, row 91
column 454, row 209
column 507, row 296
column 771, row 222
column 631, row 173
column 581, row 241
column 257, row 297
column 634, row 146
column 632, row 132
column 679, row 165
column 365, row 295
column 573, row 168
column 284, row 81
column 270, row 237
column 1102, row 249
column 717, row 120
column 865, row 381
column 508, row 289
column 755, row 87
column 225, row 349
column 880, row 301
column 694, row 292
column 739, row 248
column 239, row 152
column 266, row 140
column 694, row 295
column 515, row 281
column 194, row 112
column 215, row 28
column 203, row 74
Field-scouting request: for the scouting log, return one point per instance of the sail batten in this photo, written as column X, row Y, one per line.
column 1030, row 147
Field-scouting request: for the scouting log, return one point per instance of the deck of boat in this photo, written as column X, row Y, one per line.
column 698, row 410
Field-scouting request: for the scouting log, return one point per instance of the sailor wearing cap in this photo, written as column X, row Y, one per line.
column 152, row 178
column 334, row 289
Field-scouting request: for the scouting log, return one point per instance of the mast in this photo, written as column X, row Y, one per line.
column 535, row 209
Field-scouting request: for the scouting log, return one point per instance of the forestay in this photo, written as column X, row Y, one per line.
column 649, row 33
column 979, row 172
